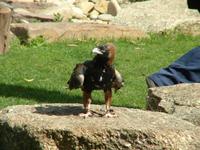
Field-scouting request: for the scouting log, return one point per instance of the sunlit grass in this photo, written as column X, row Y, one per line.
column 38, row 74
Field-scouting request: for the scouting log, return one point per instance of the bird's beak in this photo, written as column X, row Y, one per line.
column 97, row 51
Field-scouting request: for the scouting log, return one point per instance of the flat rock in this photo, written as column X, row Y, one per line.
column 58, row 126
column 20, row 13
column 156, row 15
column 182, row 101
column 62, row 30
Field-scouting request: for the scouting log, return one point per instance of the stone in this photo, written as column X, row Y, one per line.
column 182, row 101
column 64, row 9
column 94, row 14
column 63, row 30
column 20, row 14
column 58, row 126
column 86, row 7
column 113, row 8
column 190, row 27
column 78, row 13
column 105, row 17
column 102, row 6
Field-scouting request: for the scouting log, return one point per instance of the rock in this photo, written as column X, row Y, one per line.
column 64, row 9
column 105, row 17
column 58, row 126
column 78, row 13
column 20, row 14
column 191, row 27
column 63, row 30
column 94, row 14
column 21, row 11
column 113, row 8
column 182, row 101
column 156, row 15
column 102, row 6
column 86, row 7
column 46, row 10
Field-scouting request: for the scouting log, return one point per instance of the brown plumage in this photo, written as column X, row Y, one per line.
column 97, row 74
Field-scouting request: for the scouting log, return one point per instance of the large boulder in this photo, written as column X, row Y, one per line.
column 182, row 101
column 58, row 126
column 57, row 31
column 86, row 6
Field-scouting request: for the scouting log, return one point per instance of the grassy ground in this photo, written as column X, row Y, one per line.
column 38, row 73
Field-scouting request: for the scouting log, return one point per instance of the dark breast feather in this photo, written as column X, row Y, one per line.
column 98, row 77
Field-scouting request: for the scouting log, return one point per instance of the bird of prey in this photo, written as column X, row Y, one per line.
column 97, row 74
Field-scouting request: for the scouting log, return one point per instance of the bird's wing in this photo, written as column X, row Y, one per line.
column 119, row 81
column 77, row 77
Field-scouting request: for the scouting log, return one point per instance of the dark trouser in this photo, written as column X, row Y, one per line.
column 194, row 4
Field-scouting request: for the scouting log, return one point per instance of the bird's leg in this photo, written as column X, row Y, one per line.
column 108, row 101
column 86, row 104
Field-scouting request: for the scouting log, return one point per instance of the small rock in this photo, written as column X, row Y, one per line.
column 64, row 9
column 181, row 100
column 21, row 11
column 78, row 13
column 86, row 7
column 94, row 14
column 113, row 7
column 102, row 6
column 105, row 17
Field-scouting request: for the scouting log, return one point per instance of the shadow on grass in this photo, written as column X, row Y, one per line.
column 37, row 94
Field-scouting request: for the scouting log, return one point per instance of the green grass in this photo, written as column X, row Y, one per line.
column 50, row 65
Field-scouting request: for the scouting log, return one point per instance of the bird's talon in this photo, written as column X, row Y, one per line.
column 110, row 115
column 86, row 115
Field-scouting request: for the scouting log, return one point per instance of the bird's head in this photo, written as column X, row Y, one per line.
column 105, row 53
